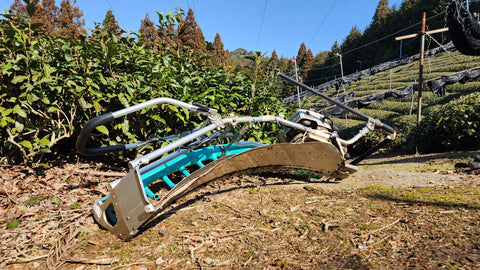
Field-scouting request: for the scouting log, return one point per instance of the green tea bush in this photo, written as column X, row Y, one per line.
column 51, row 86
column 453, row 126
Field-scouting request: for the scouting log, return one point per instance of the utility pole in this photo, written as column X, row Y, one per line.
column 422, row 58
column 341, row 69
column 296, row 77
column 343, row 86
column 401, row 48
column 359, row 62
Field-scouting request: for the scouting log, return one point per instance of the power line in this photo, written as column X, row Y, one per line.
column 366, row 45
column 327, row 67
column 323, row 22
column 116, row 14
column 261, row 24
column 373, row 42
column 391, row 35
column 369, row 44
column 327, row 78
column 195, row 10
column 449, row 53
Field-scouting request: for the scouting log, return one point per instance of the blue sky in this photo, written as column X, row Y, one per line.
column 286, row 23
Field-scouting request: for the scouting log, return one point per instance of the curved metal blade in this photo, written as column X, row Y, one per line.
column 312, row 156
column 133, row 211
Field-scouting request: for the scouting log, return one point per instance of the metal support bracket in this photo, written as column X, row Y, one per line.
column 126, row 208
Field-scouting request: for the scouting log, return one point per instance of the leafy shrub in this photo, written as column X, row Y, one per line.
column 454, row 126
column 51, row 86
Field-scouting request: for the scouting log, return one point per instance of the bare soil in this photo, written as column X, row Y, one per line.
column 396, row 212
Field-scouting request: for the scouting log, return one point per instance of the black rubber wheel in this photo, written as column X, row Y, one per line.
column 463, row 27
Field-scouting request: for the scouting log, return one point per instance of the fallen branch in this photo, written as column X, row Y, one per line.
column 379, row 241
column 103, row 261
column 238, row 212
column 98, row 173
column 170, row 265
column 31, row 259
column 381, row 229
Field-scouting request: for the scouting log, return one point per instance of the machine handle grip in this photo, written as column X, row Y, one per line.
column 85, row 133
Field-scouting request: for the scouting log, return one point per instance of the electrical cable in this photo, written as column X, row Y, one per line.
column 116, row 14
column 369, row 44
column 195, row 10
column 327, row 67
column 321, row 79
column 261, row 24
column 391, row 35
column 410, row 42
column 375, row 41
column 323, row 22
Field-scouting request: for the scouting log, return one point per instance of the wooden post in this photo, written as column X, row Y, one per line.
column 420, row 72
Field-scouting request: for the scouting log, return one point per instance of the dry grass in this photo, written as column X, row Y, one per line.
column 262, row 221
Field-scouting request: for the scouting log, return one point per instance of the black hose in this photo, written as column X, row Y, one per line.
column 85, row 133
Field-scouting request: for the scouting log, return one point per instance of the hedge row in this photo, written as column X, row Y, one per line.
column 51, row 86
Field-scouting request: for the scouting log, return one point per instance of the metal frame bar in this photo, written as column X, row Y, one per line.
column 370, row 125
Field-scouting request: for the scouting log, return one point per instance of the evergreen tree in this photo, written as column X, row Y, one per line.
column 382, row 12
column 371, row 47
column 200, row 43
column 316, row 74
column 190, row 34
column 110, row 23
column 148, row 32
column 351, row 42
column 286, row 89
column 335, row 48
column 219, row 54
column 306, row 65
column 46, row 12
column 332, row 62
column 70, row 22
column 301, row 53
column 305, row 61
column 274, row 56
